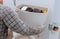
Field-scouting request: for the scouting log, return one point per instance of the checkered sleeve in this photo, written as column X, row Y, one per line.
column 12, row 20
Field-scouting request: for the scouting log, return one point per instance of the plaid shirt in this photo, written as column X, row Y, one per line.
column 10, row 19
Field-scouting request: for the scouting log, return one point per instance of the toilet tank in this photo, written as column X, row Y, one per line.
column 33, row 18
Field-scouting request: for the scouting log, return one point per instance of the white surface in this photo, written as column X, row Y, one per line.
column 15, row 35
column 56, row 19
column 54, row 35
column 9, row 3
column 33, row 19
column 24, row 8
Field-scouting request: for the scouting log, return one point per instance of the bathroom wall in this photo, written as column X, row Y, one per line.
column 56, row 18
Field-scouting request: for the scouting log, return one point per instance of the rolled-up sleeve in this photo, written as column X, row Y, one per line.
column 12, row 21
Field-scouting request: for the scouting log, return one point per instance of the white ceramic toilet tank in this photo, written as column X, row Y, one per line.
column 33, row 19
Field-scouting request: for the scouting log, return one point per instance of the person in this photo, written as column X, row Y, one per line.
column 10, row 19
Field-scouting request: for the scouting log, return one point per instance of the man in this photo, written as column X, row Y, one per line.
column 9, row 19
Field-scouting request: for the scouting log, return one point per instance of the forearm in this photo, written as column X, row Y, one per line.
column 25, row 30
